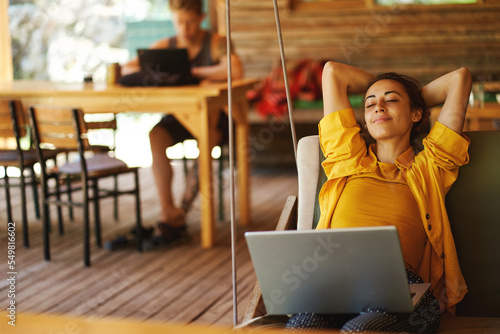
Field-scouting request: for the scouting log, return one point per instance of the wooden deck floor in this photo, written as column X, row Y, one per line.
column 186, row 284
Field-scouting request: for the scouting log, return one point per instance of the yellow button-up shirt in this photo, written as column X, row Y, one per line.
column 429, row 175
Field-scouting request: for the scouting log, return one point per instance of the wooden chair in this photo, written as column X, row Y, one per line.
column 14, row 129
column 93, row 125
column 64, row 128
column 105, row 122
column 108, row 124
column 472, row 205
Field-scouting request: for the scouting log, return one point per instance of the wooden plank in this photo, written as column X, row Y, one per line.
column 209, row 290
column 58, row 142
column 6, row 125
column 221, row 311
column 132, row 301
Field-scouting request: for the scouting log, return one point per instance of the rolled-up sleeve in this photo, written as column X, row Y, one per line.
column 342, row 144
column 446, row 148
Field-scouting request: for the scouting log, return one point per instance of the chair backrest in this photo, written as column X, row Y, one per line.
column 100, row 124
column 58, row 127
column 309, row 169
column 11, row 113
column 473, row 206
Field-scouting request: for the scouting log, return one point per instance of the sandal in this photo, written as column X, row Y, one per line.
column 121, row 242
column 169, row 237
column 145, row 233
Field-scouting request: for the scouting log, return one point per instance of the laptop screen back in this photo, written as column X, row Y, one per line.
column 173, row 61
column 330, row 271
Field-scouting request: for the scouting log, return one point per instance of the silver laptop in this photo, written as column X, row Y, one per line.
column 332, row 271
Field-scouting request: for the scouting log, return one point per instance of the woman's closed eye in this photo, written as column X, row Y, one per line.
column 372, row 104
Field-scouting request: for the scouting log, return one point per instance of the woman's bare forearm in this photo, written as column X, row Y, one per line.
column 340, row 80
column 452, row 90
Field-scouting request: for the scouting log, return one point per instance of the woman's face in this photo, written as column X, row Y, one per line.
column 387, row 111
column 187, row 24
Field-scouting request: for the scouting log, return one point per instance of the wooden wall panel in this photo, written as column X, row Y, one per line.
column 421, row 41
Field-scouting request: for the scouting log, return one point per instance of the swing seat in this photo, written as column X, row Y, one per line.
column 473, row 209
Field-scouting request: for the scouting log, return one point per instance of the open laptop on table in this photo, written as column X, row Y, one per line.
column 171, row 65
column 332, row 271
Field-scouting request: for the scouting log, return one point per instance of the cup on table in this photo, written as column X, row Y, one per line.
column 113, row 72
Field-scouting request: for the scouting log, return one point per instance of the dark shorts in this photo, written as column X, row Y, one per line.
column 179, row 133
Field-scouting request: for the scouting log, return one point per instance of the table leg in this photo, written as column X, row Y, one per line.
column 205, row 176
column 202, row 124
column 242, row 133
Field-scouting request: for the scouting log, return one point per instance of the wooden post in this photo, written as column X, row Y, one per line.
column 6, row 73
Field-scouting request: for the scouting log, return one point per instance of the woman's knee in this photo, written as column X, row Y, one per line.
column 159, row 137
column 317, row 321
column 376, row 320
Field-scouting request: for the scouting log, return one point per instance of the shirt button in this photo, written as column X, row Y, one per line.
column 427, row 216
column 429, row 227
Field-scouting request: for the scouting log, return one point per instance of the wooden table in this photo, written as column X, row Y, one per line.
column 476, row 119
column 56, row 324
column 196, row 107
column 481, row 119
column 51, row 323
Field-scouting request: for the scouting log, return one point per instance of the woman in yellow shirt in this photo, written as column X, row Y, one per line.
column 389, row 183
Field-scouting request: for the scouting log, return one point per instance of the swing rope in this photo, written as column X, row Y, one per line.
column 231, row 137
column 285, row 77
column 231, row 163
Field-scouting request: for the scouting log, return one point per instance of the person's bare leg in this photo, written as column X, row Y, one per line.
column 192, row 181
column 160, row 139
column 192, row 187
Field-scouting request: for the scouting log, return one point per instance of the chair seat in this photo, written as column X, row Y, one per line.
column 97, row 165
column 9, row 157
column 99, row 148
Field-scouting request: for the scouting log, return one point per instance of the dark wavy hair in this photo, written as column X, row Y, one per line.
column 413, row 89
column 187, row 5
